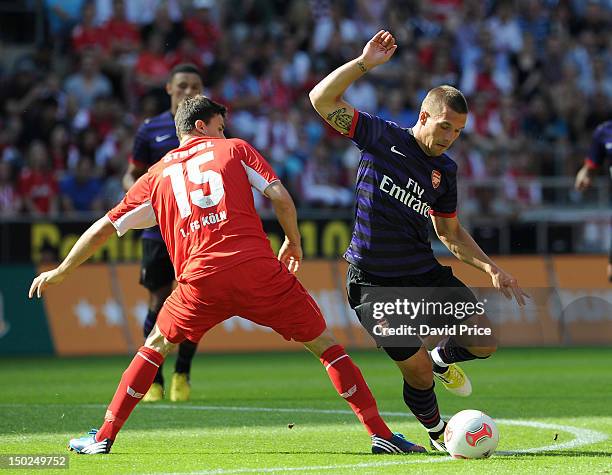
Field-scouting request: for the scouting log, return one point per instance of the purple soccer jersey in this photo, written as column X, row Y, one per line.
column 398, row 187
column 601, row 147
column 155, row 137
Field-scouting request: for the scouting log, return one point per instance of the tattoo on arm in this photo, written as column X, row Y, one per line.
column 362, row 66
column 341, row 120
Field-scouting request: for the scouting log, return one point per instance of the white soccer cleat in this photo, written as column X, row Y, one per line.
column 89, row 445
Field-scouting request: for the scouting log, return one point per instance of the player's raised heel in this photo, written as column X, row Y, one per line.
column 154, row 394
column 396, row 445
column 455, row 380
column 180, row 389
column 89, row 445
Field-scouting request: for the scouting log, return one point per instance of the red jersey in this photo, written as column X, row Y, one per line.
column 205, row 35
column 40, row 187
column 200, row 195
column 121, row 31
column 152, row 65
column 88, row 37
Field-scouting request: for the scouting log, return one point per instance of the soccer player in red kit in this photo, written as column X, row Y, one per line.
column 200, row 195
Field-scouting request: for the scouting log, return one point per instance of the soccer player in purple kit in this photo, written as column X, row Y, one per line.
column 600, row 152
column 156, row 137
column 404, row 179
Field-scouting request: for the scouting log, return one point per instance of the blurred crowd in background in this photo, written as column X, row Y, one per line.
column 537, row 75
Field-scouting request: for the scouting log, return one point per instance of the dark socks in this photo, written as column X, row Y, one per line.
column 185, row 355
column 450, row 352
column 423, row 404
column 149, row 322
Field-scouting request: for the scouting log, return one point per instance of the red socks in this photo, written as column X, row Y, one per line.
column 134, row 384
column 345, row 376
column 349, row 383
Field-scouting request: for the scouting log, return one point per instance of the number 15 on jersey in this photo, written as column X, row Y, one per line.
column 197, row 177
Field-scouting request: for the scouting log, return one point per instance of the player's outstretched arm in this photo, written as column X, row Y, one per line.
column 326, row 97
column 290, row 252
column 462, row 245
column 89, row 242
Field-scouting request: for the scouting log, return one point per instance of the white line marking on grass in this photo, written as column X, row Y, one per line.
column 223, row 471
column 581, row 436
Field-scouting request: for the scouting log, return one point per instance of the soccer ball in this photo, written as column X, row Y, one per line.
column 471, row 434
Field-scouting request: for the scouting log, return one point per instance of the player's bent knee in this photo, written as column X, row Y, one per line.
column 162, row 346
column 321, row 343
column 158, row 342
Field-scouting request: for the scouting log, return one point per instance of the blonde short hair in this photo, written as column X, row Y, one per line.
column 442, row 96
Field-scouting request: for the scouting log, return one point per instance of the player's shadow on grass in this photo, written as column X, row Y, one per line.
column 557, row 453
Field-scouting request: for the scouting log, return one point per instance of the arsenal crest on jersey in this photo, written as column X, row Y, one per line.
column 436, row 177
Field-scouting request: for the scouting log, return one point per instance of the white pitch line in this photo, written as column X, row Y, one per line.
column 222, row 471
column 581, row 436
column 216, row 408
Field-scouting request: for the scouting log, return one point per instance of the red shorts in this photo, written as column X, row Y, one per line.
column 260, row 290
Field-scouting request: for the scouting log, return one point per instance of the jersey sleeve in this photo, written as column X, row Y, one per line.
column 366, row 129
column 258, row 170
column 597, row 152
column 446, row 205
column 135, row 210
column 141, row 153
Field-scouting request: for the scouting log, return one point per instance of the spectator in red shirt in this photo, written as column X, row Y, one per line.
column 86, row 34
column 485, row 78
column 201, row 27
column 275, row 92
column 37, row 185
column 152, row 68
column 123, row 36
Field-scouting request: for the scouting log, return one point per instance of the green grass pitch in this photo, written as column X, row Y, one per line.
column 554, row 402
